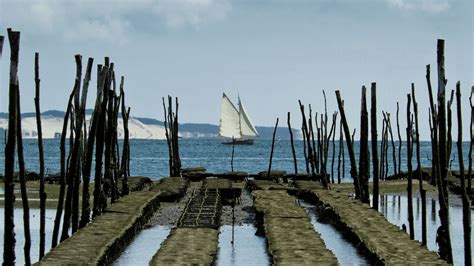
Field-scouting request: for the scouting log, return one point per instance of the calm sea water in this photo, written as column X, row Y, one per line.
column 150, row 157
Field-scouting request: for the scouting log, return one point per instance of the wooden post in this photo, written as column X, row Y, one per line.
column 232, row 156
column 308, row 139
column 271, row 153
column 364, row 164
column 41, row 159
column 466, row 203
column 409, row 160
column 168, row 138
column 375, row 154
column 24, row 193
column 9, row 234
column 62, row 188
column 304, row 148
column 176, row 139
column 292, row 144
column 341, row 153
column 469, row 178
column 418, row 169
column 333, row 130
column 450, row 125
column 394, row 156
column 350, row 147
column 382, row 147
column 73, row 170
column 446, row 252
column 2, row 38
column 99, row 147
column 399, row 142
column 126, row 141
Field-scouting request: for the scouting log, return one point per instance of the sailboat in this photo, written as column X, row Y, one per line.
column 235, row 123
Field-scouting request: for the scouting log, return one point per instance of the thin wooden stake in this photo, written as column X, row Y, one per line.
column 375, row 155
column 41, row 159
column 292, row 144
column 466, row 203
column 409, row 159
column 9, row 234
column 273, row 145
column 350, row 146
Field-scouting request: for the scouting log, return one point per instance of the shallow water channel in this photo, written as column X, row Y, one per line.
column 346, row 253
column 143, row 246
column 247, row 248
column 395, row 209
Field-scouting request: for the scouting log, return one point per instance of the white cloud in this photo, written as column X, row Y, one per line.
column 179, row 13
column 108, row 20
column 429, row 6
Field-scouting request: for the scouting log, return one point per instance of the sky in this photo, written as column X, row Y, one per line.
column 270, row 52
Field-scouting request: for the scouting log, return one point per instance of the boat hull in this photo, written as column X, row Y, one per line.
column 239, row 142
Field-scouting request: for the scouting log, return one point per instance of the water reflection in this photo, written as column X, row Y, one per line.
column 144, row 246
column 34, row 231
column 345, row 252
column 395, row 209
column 248, row 248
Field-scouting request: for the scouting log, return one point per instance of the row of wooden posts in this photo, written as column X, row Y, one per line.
column 315, row 150
column 100, row 136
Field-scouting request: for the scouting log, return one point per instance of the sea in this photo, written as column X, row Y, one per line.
column 150, row 157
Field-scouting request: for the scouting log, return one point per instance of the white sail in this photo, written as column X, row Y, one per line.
column 230, row 120
column 246, row 126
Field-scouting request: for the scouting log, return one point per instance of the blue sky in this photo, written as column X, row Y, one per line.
column 272, row 53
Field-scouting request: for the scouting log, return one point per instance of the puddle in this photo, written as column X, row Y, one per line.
column 248, row 248
column 34, row 232
column 346, row 253
column 144, row 246
column 395, row 209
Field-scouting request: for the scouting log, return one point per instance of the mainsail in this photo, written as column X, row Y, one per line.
column 246, row 127
column 235, row 123
column 230, row 120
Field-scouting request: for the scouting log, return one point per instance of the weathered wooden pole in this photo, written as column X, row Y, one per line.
column 392, row 141
column 466, row 203
column 126, row 141
column 364, row 164
column 41, row 159
column 2, row 38
column 410, row 174
column 308, row 139
column 292, row 144
column 341, row 151
column 350, row 147
column 418, row 169
column 333, row 130
column 99, row 195
column 446, row 252
column 232, row 156
column 450, row 126
column 304, row 148
column 168, row 137
column 382, row 148
column 375, row 154
column 273, row 145
column 176, row 139
column 62, row 180
column 9, row 224
column 469, row 178
column 74, row 163
column 433, row 129
column 21, row 175
column 399, row 142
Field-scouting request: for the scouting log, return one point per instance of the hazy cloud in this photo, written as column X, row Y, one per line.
column 429, row 6
column 106, row 20
column 191, row 12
